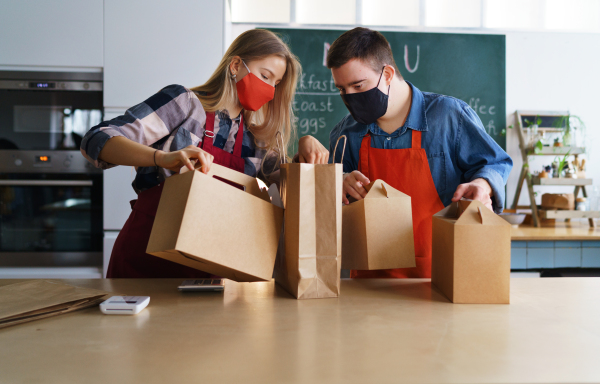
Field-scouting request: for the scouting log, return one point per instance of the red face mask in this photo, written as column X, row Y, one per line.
column 252, row 92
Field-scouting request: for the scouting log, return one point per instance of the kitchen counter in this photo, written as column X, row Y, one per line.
column 574, row 230
column 378, row 331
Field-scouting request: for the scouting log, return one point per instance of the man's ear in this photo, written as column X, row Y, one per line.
column 388, row 74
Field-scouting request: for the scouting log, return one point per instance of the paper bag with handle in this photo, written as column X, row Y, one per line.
column 310, row 257
column 471, row 254
column 377, row 231
column 222, row 222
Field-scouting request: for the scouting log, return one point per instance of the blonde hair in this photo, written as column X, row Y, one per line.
column 276, row 115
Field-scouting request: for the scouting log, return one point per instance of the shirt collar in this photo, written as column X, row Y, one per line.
column 416, row 119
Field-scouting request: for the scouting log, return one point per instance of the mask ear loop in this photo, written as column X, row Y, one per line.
column 248, row 69
column 343, row 149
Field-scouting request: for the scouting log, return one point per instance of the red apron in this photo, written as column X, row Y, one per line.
column 129, row 257
column 407, row 170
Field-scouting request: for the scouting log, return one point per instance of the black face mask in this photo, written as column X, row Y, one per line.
column 366, row 107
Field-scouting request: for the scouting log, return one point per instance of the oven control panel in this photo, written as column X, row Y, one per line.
column 16, row 161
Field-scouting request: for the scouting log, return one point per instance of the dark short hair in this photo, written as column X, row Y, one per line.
column 364, row 44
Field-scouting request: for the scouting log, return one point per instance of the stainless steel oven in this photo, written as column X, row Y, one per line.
column 50, row 196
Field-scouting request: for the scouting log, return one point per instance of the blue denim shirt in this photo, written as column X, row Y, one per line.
column 458, row 147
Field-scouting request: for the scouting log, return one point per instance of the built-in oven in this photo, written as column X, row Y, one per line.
column 50, row 196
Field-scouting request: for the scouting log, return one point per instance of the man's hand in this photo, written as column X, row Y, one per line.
column 311, row 151
column 478, row 189
column 354, row 185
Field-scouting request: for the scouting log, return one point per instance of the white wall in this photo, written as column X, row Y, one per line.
column 553, row 71
column 150, row 44
column 59, row 34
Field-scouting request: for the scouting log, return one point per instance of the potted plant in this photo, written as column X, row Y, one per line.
column 568, row 124
column 559, row 164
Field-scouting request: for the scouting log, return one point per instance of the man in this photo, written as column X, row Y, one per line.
column 432, row 147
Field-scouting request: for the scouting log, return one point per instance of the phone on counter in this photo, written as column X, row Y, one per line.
column 124, row 305
column 199, row 285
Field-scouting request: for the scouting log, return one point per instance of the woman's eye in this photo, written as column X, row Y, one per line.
column 265, row 77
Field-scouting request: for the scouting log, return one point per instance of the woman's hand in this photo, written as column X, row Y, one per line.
column 173, row 161
column 311, row 151
column 354, row 185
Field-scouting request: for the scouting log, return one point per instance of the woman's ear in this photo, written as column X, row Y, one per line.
column 388, row 74
column 234, row 66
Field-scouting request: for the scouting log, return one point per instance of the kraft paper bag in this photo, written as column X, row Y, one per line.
column 471, row 254
column 377, row 231
column 222, row 223
column 310, row 256
column 39, row 299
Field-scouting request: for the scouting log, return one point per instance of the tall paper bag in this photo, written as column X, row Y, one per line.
column 309, row 258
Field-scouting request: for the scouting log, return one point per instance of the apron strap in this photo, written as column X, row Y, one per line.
column 364, row 155
column 209, row 132
column 416, row 139
column 237, row 149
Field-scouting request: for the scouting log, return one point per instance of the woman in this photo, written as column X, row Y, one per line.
column 252, row 88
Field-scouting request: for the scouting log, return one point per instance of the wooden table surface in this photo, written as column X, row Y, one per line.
column 378, row 331
column 574, row 230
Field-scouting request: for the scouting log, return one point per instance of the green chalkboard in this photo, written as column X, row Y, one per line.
column 470, row 67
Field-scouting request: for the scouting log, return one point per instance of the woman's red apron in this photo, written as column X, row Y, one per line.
column 407, row 170
column 129, row 257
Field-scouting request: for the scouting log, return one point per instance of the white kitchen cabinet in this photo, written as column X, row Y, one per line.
column 150, row 44
column 117, row 195
column 58, row 33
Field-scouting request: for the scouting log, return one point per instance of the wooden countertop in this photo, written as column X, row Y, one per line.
column 378, row 331
column 574, row 230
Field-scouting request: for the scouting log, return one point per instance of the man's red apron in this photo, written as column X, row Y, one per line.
column 407, row 170
column 129, row 257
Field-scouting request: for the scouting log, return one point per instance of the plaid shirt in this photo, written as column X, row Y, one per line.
column 170, row 120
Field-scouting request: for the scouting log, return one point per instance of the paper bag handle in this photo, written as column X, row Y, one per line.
column 343, row 149
column 384, row 190
column 282, row 156
column 480, row 214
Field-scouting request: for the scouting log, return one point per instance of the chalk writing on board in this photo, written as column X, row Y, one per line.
column 486, row 114
column 406, row 61
column 310, row 85
column 325, row 50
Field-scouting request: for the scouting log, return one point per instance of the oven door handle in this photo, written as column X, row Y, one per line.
column 47, row 183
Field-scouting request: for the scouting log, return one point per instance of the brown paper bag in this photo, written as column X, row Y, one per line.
column 377, row 231
column 39, row 299
column 471, row 254
column 222, row 223
column 309, row 258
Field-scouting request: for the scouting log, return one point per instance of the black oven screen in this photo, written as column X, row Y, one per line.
column 46, row 219
column 48, row 120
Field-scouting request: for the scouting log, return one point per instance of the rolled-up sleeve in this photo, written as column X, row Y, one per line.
column 145, row 123
column 479, row 156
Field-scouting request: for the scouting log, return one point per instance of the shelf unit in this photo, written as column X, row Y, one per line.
column 531, row 180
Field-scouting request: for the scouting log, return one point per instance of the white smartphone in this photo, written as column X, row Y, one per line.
column 202, row 285
column 124, row 305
